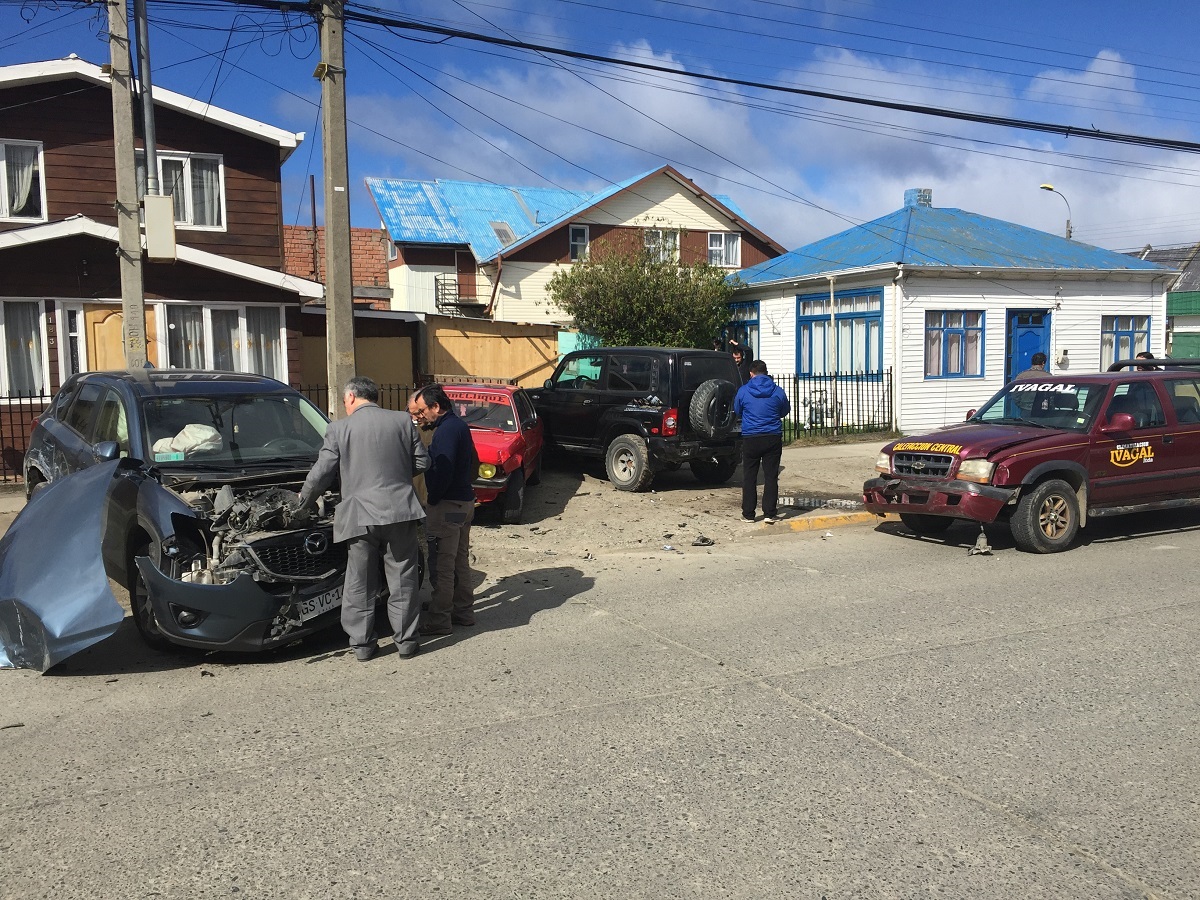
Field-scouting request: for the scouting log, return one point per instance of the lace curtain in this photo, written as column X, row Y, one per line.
column 23, row 348
column 21, row 165
column 185, row 337
column 262, row 340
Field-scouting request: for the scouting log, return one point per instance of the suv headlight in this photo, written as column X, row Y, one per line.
column 883, row 463
column 977, row 470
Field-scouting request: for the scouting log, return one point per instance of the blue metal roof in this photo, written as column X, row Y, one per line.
column 463, row 212
column 920, row 235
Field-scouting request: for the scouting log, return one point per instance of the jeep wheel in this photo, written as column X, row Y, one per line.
column 711, row 409
column 513, row 499
column 713, row 471
column 1047, row 518
column 140, row 605
column 924, row 524
column 628, row 463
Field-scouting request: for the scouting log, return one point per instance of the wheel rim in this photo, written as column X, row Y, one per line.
column 623, row 465
column 1054, row 517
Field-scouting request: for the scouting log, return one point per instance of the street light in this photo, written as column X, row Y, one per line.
column 1050, row 188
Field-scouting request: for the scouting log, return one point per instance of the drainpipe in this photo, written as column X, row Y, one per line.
column 831, row 396
column 897, row 290
column 495, row 286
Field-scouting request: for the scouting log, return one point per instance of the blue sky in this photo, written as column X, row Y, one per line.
column 801, row 168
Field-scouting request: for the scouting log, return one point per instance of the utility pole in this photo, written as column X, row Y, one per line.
column 129, row 237
column 339, row 300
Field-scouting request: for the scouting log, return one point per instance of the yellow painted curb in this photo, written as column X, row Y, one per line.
column 828, row 520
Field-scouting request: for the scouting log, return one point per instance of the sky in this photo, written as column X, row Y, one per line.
column 423, row 106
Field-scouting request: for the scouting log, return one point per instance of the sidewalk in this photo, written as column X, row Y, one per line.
column 820, row 487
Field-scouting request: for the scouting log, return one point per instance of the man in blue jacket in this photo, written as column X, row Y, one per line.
column 762, row 406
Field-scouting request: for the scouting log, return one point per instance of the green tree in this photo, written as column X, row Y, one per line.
column 634, row 300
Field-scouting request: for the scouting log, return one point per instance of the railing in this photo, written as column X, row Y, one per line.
column 391, row 396
column 17, row 413
column 860, row 402
column 450, row 301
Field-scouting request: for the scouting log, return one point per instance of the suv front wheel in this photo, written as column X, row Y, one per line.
column 628, row 463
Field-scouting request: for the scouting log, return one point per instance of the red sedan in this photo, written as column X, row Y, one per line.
column 508, row 438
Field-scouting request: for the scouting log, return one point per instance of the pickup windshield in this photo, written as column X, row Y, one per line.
column 1044, row 404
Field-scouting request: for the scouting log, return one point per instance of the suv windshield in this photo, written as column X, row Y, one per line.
column 1046, row 404
column 233, row 429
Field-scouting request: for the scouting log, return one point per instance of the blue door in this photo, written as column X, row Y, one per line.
column 1028, row 333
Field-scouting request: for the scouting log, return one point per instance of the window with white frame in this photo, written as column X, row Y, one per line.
column 24, row 370
column 662, row 244
column 229, row 339
column 725, row 249
column 579, row 242
column 196, row 184
column 841, row 335
column 953, row 343
column 1122, row 337
column 21, row 187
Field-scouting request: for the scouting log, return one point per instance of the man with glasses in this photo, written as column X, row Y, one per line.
column 376, row 452
column 451, row 507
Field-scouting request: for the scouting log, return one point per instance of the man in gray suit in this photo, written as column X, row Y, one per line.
column 376, row 452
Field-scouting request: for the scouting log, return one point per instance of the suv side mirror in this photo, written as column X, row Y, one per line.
column 1118, row 422
column 106, row 450
column 548, row 384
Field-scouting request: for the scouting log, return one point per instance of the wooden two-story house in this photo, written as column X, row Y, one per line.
column 225, row 302
column 489, row 250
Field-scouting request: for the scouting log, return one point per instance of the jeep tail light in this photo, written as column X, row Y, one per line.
column 670, row 425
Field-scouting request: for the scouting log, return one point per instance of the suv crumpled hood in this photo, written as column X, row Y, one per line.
column 971, row 440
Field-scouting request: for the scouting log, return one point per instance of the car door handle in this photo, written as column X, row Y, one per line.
column 586, row 402
column 1168, row 438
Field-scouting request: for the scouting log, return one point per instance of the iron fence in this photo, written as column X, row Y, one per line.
column 859, row 402
column 391, row 396
column 17, row 414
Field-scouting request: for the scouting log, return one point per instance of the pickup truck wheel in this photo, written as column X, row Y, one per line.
column 628, row 463
column 1047, row 518
column 923, row 524
column 711, row 409
column 711, row 471
column 140, row 606
column 513, row 499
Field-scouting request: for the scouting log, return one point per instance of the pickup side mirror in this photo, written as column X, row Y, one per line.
column 970, row 414
column 548, row 384
column 1118, row 423
column 106, row 450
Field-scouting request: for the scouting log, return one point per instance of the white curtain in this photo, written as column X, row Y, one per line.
column 185, row 337
column 21, row 163
column 206, row 192
column 226, row 347
column 262, row 340
column 172, row 183
column 23, row 340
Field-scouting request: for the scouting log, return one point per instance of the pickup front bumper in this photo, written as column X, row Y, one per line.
column 937, row 497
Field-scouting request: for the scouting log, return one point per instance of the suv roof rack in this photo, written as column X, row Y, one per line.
column 1164, row 363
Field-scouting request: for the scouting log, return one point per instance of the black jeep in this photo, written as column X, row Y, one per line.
column 645, row 409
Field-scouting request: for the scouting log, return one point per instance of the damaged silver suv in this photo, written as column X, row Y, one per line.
column 200, row 520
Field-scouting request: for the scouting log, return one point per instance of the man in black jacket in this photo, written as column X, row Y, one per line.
column 451, row 508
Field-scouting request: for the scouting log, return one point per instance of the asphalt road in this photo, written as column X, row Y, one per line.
column 865, row 715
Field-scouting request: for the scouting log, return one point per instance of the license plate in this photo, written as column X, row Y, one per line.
column 311, row 607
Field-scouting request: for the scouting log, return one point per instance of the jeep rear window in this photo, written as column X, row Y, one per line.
column 1070, row 407
column 699, row 369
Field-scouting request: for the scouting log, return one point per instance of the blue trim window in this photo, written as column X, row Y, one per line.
column 855, row 321
column 953, row 343
column 743, row 325
column 1122, row 337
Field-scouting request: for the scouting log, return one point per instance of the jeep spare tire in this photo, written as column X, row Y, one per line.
column 711, row 409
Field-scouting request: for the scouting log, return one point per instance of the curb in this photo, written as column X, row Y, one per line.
column 828, row 520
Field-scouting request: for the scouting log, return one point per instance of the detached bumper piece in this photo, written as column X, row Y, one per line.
column 936, row 497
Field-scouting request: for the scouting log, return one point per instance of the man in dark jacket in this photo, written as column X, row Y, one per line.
column 762, row 406
column 741, row 356
column 451, row 508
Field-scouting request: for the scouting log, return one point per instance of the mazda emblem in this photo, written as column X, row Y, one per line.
column 315, row 543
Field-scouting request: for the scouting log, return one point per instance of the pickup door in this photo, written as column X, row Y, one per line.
column 1138, row 466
